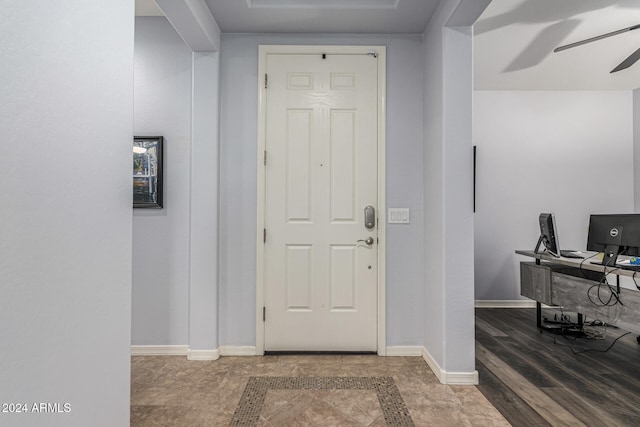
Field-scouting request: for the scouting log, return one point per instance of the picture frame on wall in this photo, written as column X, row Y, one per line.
column 147, row 172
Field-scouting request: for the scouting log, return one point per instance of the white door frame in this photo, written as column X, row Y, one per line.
column 381, row 52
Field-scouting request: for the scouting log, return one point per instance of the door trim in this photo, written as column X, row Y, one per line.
column 263, row 52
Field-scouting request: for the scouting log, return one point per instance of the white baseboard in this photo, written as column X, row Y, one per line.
column 453, row 378
column 404, row 350
column 203, row 354
column 519, row 303
column 184, row 350
column 159, row 350
column 237, row 350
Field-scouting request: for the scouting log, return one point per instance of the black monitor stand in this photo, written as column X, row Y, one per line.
column 610, row 255
column 540, row 240
column 612, row 246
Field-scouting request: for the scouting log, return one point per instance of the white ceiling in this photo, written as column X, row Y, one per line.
column 147, row 8
column 323, row 16
column 513, row 43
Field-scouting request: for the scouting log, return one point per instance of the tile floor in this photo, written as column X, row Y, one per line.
column 369, row 391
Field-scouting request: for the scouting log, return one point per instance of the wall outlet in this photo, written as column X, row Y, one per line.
column 399, row 216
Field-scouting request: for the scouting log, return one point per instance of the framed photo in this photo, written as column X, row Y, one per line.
column 147, row 172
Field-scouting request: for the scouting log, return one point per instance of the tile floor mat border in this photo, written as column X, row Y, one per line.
column 248, row 411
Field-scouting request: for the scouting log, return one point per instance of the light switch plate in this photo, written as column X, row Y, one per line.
column 399, row 216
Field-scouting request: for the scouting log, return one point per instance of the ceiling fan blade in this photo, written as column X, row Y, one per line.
column 631, row 59
column 596, row 38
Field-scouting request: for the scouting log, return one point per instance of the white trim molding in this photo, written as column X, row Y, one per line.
column 192, row 19
column 159, row 350
column 184, row 350
column 404, row 350
column 203, row 354
column 519, row 303
column 237, row 350
column 451, row 378
column 322, row 4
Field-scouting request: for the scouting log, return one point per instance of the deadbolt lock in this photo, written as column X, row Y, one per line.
column 369, row 217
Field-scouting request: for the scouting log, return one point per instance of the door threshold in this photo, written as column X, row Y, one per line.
column 319, row 353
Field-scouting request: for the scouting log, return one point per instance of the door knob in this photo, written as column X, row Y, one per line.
column 368, row 241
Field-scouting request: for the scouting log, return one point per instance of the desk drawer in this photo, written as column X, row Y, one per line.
column 535, row 282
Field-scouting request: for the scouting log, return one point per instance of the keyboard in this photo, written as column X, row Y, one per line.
column 571, row 254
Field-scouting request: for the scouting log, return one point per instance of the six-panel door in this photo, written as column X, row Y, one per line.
column 321, row 173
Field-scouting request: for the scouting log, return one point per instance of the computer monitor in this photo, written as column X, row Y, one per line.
column 613, row 235
column 548, row 235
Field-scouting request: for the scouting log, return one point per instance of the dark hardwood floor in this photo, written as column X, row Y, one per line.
column 535, row 379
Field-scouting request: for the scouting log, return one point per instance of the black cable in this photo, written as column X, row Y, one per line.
column 589, row 349
column 582, row 262
column 613, row 293
column 599, row 285
column 602, row 303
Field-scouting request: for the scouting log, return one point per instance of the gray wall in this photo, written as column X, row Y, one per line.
column 448, row 262
column 162, row 102
column 636, row 148
column 530, row 146
column 65, row 216
column 203, row 263
column 238, row 151
column 433, row 191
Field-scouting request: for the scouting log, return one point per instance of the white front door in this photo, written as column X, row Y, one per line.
column 320, row 281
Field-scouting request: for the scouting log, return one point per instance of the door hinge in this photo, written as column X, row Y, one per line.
column 264, row 236
column 266, row 81
column 265, row 157
column 264, row 314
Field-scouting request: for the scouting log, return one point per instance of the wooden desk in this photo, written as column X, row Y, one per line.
column 584, row 263
column 569, row 282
